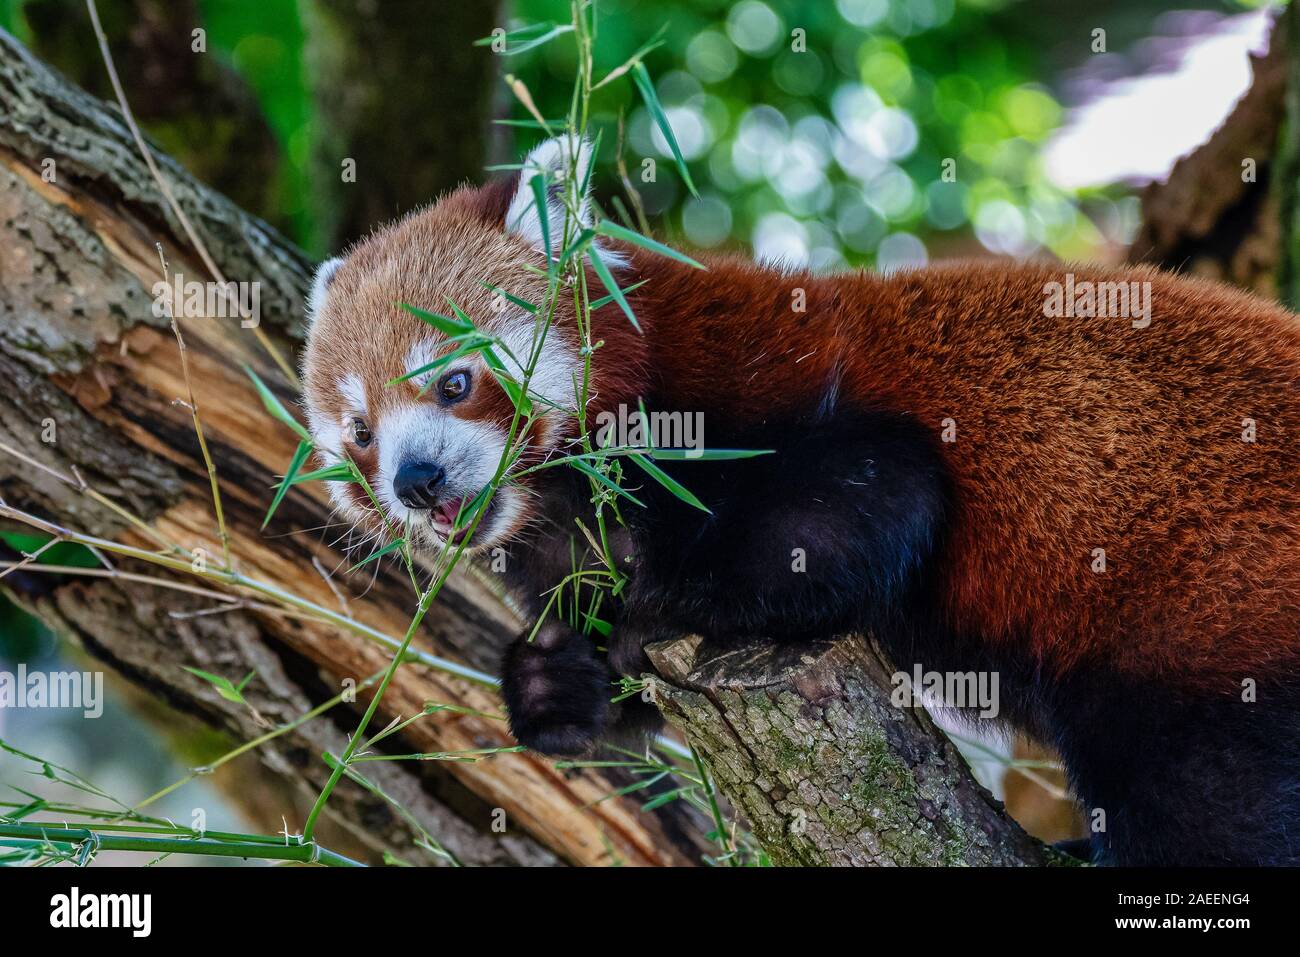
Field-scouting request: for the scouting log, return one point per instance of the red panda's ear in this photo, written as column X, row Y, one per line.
column 555, row 160
column 320, row 288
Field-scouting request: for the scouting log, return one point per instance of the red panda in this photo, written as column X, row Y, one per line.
column 982, row 464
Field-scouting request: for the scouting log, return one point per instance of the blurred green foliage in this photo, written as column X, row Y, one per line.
column 821, row 132
column 263, row 41
column 853, row 132
column 836, row 132
column 22, row 636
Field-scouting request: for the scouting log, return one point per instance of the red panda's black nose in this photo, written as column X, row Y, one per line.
column 416, row 484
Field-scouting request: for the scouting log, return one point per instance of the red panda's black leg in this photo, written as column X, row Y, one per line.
column 1171, row 777
column 832, row 533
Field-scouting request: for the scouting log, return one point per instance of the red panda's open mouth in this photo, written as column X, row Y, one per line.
column 443, row 518
column 444, row 513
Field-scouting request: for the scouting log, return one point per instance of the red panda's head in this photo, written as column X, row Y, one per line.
column 428, row 444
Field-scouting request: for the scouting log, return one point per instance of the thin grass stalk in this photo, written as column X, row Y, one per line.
column 193, row 406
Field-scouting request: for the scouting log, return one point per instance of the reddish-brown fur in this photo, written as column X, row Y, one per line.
column 1072, row 434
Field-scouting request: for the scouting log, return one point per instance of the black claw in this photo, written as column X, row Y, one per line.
column 557, row 740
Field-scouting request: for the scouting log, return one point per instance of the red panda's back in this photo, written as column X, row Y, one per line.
column 1125, row 485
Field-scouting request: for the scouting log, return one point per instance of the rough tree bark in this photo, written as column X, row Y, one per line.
column 372, row 68
column 827, row 770
column 80, row 348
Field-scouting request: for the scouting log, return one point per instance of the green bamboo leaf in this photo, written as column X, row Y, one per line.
column 606, row 300
column 614, row 231
column 606, row 481
column 527, row 38
column 584, row 188
column 578, row 246
column 526, row 125
column 645, row 86
column 615, row 293
column 375, row 556
column 507, row 382
column 668, row 482
column 461, row 314
column 645, row 417
column 274, row 406
column 538, row 186
column 515, row 391
column 476, row 504
column 476, row 343
column 444, row 324
column 34, row 807
column 621, row 208
column 222, row 685
column 64, row 554
column 708, row 455
column 666, row 798
column 651, row 45
column 636, row 785
column 22, row 541
column 433, row 366
column 341, row 472
column 519, row 34
column 632, row 692
column 282, row 489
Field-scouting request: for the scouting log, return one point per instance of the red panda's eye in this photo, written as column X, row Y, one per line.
column 454, row 385
column 360, row 433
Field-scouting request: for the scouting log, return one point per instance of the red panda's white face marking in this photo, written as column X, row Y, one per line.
column 428, row 444
column 421, row 355
column 353, row 391
column 454, row 420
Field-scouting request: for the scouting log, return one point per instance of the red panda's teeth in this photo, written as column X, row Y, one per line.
column 446, row 512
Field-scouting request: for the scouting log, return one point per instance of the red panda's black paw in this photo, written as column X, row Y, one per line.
column 557, row 690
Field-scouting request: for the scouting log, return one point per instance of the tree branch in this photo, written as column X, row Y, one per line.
column 1217, row 213
column 807, row 744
